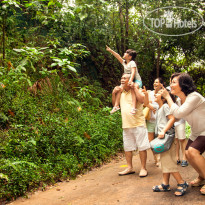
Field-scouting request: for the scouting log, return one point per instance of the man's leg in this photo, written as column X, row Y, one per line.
column 143, row 158
column 129, row 170
column 143, row 145
column 129, row 145
column 128, row 156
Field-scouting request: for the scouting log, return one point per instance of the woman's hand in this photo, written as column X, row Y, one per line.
column 144, row 90
column 161, row 135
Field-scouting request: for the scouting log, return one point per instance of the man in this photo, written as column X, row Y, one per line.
column 134, row 131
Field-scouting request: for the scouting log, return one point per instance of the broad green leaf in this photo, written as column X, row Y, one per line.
column 83, row 16
column 34, row 69
column 54, row 64
column 32, row 141
column 29, row 82
column 3, row 176
column 71, row 68
column 19, row 50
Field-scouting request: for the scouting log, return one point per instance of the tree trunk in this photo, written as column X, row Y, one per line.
column 126, row 25
column 3, row 39
column 158, row 56
column 122, row 44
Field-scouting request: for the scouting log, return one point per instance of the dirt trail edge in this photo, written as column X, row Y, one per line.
column 103, row 186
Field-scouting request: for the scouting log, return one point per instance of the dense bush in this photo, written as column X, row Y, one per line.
column 54, row 135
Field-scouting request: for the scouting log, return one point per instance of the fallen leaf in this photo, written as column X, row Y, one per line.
column 86, row 135
column 11, row 113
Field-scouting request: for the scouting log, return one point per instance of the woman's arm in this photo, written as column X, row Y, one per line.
column 119, row 58
column 146, row 96
column 192, row 101
column 147, row 103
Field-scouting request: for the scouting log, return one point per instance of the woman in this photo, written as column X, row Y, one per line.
column 193, row 111
column 158, row 84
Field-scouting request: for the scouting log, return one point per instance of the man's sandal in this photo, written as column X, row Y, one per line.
column 126, row 172
column 181, row 189
column 161, row 188
column 114, row 109
column 197, row 182
column 202, row 190
column 143, row 173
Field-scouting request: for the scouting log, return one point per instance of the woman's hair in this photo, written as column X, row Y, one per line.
column 131, row 53
column 161, row 80
column 185, row 82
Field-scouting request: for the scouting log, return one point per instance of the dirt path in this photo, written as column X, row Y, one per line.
column 103, row 186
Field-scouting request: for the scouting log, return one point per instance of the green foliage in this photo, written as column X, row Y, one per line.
column 67, row 127
column 63, row 28
column 54, row 136
column 65, row 64
column 188, row 130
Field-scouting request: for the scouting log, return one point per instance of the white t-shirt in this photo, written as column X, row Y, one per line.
column 128, row 69
column 162, row 119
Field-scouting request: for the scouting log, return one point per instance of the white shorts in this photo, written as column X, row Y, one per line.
column 180, row 131
column 134, row 138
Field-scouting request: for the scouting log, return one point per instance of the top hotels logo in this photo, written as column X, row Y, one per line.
column 173, row 21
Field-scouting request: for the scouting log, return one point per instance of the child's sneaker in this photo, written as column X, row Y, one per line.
column 114, row 109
